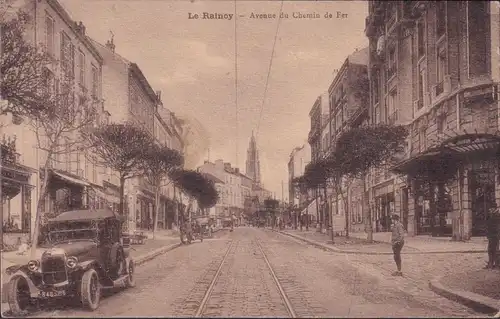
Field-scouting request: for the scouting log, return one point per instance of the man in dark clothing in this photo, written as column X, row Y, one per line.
column 493, row 236
column 398, row 242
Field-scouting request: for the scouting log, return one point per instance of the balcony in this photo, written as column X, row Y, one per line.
column 442, row 88
column 392, row 118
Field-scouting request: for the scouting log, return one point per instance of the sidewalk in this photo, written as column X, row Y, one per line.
column 357, row 244
column 465, row 280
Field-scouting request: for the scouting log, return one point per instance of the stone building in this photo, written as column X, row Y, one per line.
column 74, row 181
column 348, row 108
column 130, row 98
column 434, row 67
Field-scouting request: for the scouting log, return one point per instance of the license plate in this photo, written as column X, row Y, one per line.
column 51, row 294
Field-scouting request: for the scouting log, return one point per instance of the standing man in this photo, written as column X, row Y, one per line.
column 493, row 234
column 397, row 241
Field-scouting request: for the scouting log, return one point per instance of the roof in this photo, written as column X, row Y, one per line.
column 359, row 57
column 212, row 178
column 85, row 214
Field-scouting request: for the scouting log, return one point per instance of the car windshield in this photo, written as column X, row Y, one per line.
column 72, row 231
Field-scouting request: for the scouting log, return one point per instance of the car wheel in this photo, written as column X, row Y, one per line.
column 90, row 290
column 131, row 275
column 18, row 296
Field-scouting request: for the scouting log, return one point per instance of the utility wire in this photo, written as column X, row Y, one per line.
column 236, row 78
column 269, row 70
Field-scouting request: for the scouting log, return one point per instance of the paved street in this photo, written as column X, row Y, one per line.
column 317, row 283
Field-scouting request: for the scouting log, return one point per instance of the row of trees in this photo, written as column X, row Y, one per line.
column 355, row 153
column 65, row 120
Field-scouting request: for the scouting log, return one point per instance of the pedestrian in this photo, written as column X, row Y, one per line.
column 493, row 235
column 398, row 242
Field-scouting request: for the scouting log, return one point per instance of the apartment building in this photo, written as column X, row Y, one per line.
column 299, row 158
column 434, row 66
column 348, row 97
column 130, row 98
column 74, row 181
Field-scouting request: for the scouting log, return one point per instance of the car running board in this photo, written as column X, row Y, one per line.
column 117, row 282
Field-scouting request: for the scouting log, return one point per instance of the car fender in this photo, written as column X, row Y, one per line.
column 86, row 265
column 34, row 291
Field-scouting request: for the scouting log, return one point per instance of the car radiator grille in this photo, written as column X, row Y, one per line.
column 53, row 270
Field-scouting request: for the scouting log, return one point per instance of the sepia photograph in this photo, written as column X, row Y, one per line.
column 250, row 158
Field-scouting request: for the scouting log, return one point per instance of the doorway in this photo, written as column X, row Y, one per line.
column 482, row 193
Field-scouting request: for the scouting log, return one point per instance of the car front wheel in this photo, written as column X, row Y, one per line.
column 18, row 296
column 90, row 290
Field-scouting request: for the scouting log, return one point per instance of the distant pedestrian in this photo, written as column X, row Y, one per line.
column 398, row 242
column 493, row 235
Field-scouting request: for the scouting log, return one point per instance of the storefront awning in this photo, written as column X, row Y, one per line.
column 71, row 179
column 108, row 197
column 450, row 152
column 310, row 209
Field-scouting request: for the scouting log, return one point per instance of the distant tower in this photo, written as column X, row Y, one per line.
column 253, row 163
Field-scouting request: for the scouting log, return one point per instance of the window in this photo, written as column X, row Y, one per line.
column 81, row 68
column 421, row 87
column 338, row 121
column 441, row 68
column 422, row 139
column 49, row 34
column 67, row 55
column 442, row 123
column 478, row 28
column 376, row 112
column 391, row 62
column 440, row 19
column 49, row 81
column 95, row 83
column 391, row 106
column 421, row 38
column 376, row 86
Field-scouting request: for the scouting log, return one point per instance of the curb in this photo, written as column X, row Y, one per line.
column 479, row 303
column 356, row 252
column 147, row 257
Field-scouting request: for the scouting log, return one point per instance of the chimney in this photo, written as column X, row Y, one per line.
column 111, row 45
column 81, row 28
column 158, row 95
column 237, row 170
column 227, row 166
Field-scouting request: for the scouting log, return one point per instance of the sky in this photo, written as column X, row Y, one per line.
column 193, row 63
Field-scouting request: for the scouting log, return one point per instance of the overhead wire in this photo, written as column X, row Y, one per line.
column 269, row 70
column 236, row 80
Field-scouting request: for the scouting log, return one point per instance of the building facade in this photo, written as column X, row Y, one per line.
column 131, row 98
column 434, row 67
column 348, row 108
column 74, row 180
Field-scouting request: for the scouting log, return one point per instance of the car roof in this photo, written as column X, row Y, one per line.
column 85, row 214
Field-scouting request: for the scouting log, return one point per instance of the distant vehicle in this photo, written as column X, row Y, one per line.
column 84, row 254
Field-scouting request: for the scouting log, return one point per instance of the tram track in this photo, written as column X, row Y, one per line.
column 260, row 296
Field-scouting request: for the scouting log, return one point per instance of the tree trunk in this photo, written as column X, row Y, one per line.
column 317, row 206
column 157, row 210
column 38, row 214
column 327, row 213
column 345, row 202
column 369, row 228
column 121, row 208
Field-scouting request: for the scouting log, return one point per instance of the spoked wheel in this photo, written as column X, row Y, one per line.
column 18, row 296
column 90, row 290
column 131, row 275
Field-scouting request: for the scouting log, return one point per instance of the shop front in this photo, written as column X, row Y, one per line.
column 453, row 186
column 383, row 206
column 16, row 201
column 144, row 210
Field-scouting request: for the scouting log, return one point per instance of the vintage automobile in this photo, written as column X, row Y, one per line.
column 82, row 255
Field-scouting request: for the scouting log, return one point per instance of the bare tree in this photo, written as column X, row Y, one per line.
column 159, row 162
column 60, row 129
column 22, row 79
column 120, row 147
